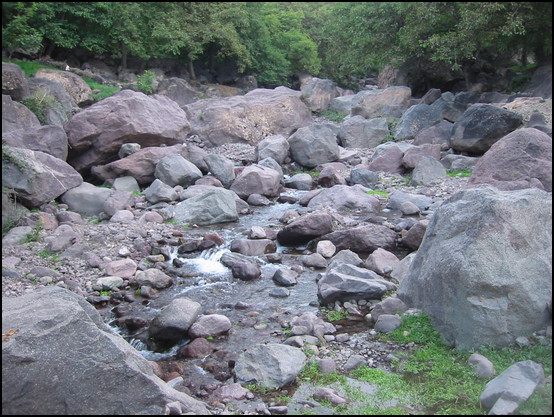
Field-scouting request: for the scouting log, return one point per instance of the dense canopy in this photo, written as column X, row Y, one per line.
column 275, row 41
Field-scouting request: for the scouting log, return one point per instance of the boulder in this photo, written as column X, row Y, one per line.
column 175, row 170
column 48, row 139
column 314, row 145
column 65, row 106
column 481, row 126
column 305, row 228
column 174, row 320
column 318, row 93
column 521, row 159
column 96, row 133
column 221, row 167
column 86, row 199
column 345, row 282
column 428, row 171
column 257, row 179
column 248, row 118
column 16, row 116
column 65, row 363
column 210, row 325
column 75, row 86
column 140, row 165
column 363, row 239
column 212, row 206
column 178, row 90
column 345, row 198
column 371, row 104
column 35, row 176
column 14, row 81
column 415, row 119
column 275, row 146
column 272, row 365
column 358, row 132
column 465, row 264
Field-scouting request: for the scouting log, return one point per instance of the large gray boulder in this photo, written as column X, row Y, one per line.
column 314, row 145
column 86, row 199
column 305, row 228
column 483, row 272
column 274, row 146
column 16, row 116
column 48, row 139
column 178, row 90
column 363, row 239
column 481, row 126
column 140, row 165
column 75, row 86
column 272, row 365
column 96, row 133
column 215, row 205
column 257, row 179
column 371, row 104
column 62, row 359
column 521, row 159
column 14, row 81
column 248, row 118
column 176, row 170
column 174, row 320
column 353, row 199
column 415, row 119
column 36, row 177
column 318, row 93
column 358, row 132
column 344, row 282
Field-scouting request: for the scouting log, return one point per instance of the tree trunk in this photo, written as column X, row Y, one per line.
column 123, row 56
column 191, row 70
column 50, row 49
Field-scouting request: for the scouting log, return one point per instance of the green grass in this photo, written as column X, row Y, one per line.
column 435, row 379
column 30, row 67
column 333, row 315
column 377, row 192
column 459, row 174
column 333, row 115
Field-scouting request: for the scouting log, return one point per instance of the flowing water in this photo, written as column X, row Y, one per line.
column 206, row 280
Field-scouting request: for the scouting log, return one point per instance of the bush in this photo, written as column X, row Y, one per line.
column 145, row 82
column 39, row 102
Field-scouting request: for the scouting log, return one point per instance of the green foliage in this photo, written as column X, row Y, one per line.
column 459, row 174
column 333, row 315
column 145, row 82
column 39, row 102
column 313, row 374
column 377, row 192
column 333, row 115
column 100, row 91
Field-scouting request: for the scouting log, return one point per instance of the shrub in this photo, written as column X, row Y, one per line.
column 39, row 102
column 145, row 82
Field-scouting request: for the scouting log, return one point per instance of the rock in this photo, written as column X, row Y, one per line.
column 245, row 270
column 160, row 191
column 86, row 199
column 305, row 228
column 210, row 325
column 86, row 356
column 139, row 165
column 521, row 159
column 386, row 323
column 469, row 248
column 318, row 93
column 175, row 170
column 285, row 277
column 14, row 81
column 174, row 320
column 313, row 145
column 348, row 282
column 415, row 119
column 257, row 179
column 222, row 168
column 483, row 367
column 96, row 133
column 328, row 394
column 16, row 116
column 153, row 278
column 272, row 365
column 352, row 199
column 75, row 86
column 197, row 348
column 390, row 305
column 371, row 103
column 358, row 132
column 124, row 268
column 215, row 205
column 302, row 181
column 481, row 126
column 326, row 248
column 275, row 146
column 178, row 90
column 504, row 394
column 248, row 118
column 363, row 239
column 36, row 177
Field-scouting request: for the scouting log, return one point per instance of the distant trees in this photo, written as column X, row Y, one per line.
column 277, row 40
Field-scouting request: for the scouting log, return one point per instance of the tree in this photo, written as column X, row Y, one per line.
column 17, row 29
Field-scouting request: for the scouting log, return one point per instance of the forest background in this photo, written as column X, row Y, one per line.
column 277, row 41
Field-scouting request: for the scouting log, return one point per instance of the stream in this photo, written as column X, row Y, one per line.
column 256, row 316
